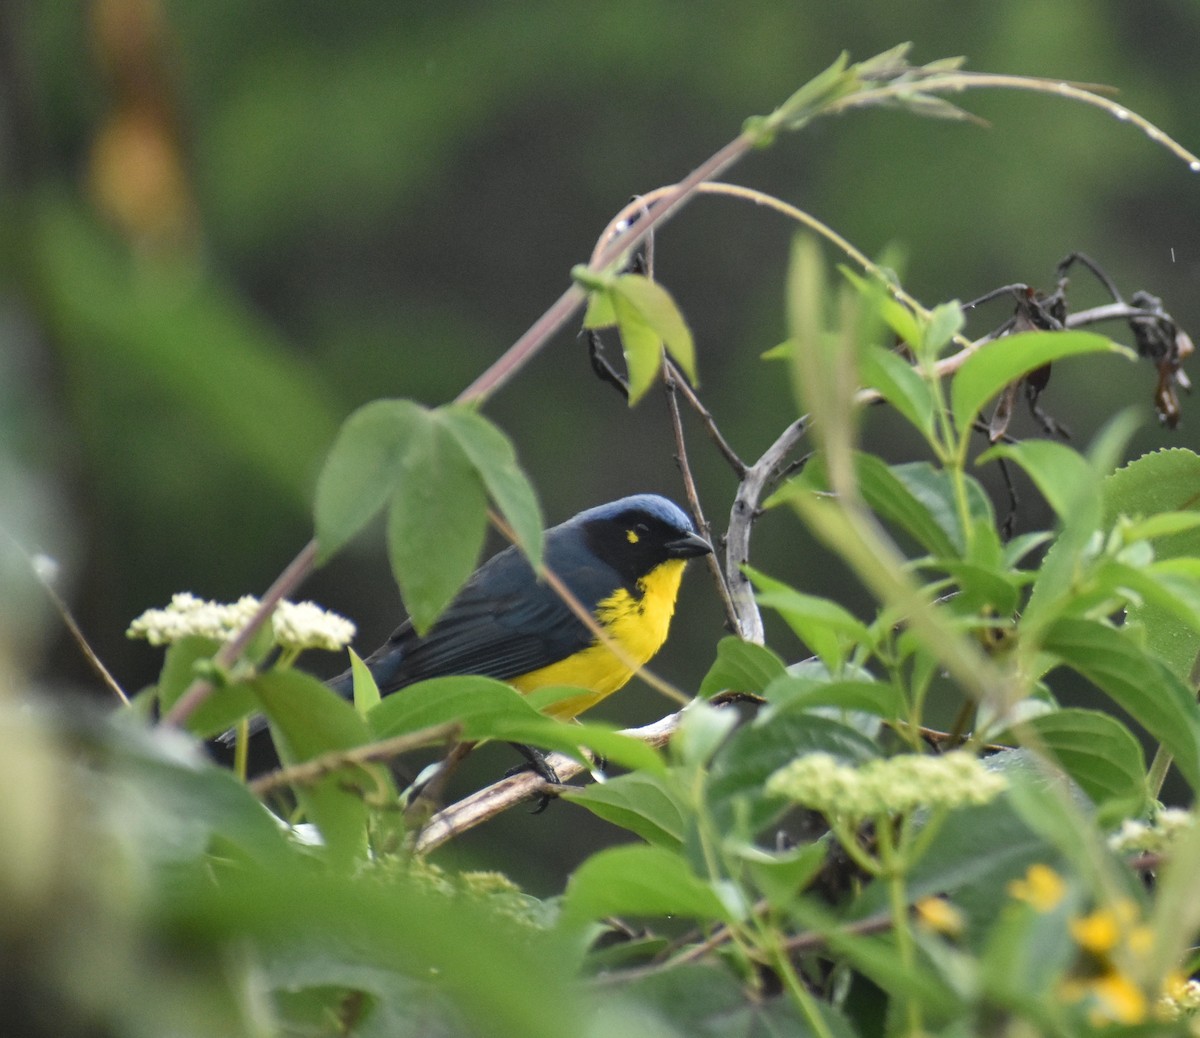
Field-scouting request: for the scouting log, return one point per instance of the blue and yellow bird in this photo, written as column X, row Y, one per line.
column 623, row 561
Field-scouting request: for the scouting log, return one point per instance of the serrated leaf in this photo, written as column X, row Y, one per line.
column 1165, row 482
column 1137, row 682
column 740, row 666
column 659, row 312
column 640, row 881
column 436, row 520
column 1097, row 751
column 495, row 461
column 359, row 474
column 987, row 371
column 641, row 803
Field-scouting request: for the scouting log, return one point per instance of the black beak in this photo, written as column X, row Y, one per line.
column 688, row 546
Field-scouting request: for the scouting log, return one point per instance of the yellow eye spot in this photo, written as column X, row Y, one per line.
column 631, row 536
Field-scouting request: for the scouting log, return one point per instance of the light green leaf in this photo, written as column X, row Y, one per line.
column 360, row 472
column 945, row 322
column 308, row 719
column 659, row 312
column 495, row 461
column 740, row 666
column 1097, row 751
column 366, row 692
column 823, row 625
column 1137, row 682
column 436, row 521
column 901, row 386
column 640, row 881
column 987, row 371
column 643, row 348
column 643, row 804
column 600, row 311
column 1062, row 474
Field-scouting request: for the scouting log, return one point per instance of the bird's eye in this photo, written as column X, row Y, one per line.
column 636, row 532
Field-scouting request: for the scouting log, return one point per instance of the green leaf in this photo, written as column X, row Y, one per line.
column 901, row 386
column 436, row 521
column 643, row 348
column 740, row 666
column 1096, row 750
column 359, row 475
column 823, row 625
column 488, row 709
column 1139, row 683
column 792, row 692
column 227, row 705
column 495, row 461
column 1165, row 483
column 644, row 804
column 945, row 322
column 600, row 312
column 659, row 312
column 1061, row 473
column 755, row 751
column 987, row 371
column 640, row 881
column 481, row 705
column 366, row 692
column 307, row 720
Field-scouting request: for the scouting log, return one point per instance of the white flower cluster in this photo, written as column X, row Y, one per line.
column 1182, row 999
column 305, row 625
column 296, row 625
column 895, row 785
column 1153, row 837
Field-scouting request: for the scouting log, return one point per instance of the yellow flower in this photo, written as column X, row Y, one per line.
column 939, row 915
column 1042, row 888
column 1118, row 999
column 1098, row 933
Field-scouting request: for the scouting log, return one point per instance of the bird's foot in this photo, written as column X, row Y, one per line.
column 539, row 765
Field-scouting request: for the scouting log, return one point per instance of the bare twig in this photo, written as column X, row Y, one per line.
column 746, row 503
column 228, row 654
column 674, row 382
column 525, row 785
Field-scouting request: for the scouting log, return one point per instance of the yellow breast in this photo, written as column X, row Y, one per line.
column 638, row 625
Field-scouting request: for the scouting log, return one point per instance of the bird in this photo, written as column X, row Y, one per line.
column 623, row 561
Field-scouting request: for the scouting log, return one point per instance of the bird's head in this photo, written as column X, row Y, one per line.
column 637, row 534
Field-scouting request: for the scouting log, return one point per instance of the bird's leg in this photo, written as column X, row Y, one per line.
column 540, row 766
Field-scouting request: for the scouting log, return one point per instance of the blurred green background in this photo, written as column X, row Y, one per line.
column 227, row 225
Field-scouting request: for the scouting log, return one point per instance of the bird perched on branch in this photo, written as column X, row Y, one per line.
column 623, row 561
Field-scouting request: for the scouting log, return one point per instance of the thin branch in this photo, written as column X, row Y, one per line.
column 73, row 628
column 673, row 382
column 746, row 504
column 311, row 771
column 485, row 804
column 288, row 581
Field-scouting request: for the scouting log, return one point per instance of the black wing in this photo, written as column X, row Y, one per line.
column 503, row 623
